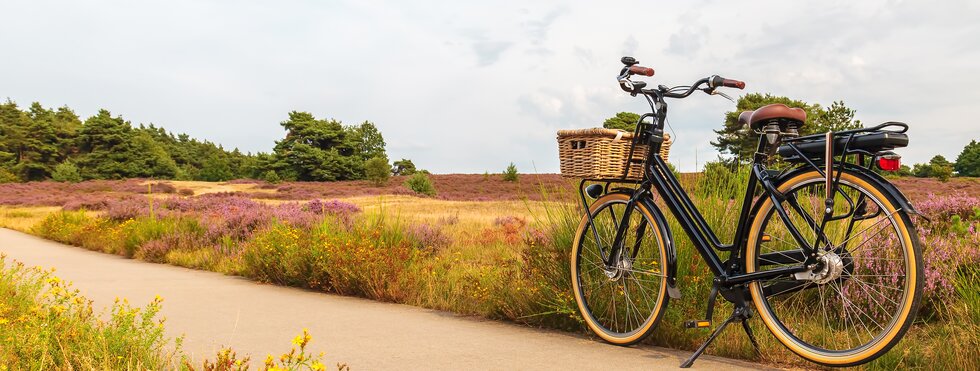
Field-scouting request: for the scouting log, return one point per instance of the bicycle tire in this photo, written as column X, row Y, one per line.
column 862, row 300
column 584, row 272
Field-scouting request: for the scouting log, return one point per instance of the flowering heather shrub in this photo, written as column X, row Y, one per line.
column 87, row 203
column 58, row 194
column 154, row 251
column 333, row 207
column 459, row 187
column 160, row 188
column 427, row 237
column 944, row 206
column 448, row 220
column 127, row 208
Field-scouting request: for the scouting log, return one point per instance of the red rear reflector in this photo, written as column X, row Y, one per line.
column 890, row 162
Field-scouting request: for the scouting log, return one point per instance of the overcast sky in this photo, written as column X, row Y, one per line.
column 467, row 87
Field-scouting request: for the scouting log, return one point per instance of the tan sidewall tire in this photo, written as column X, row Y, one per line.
column 576, row 245
column 786, row 339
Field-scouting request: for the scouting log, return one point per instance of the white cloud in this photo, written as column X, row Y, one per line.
column 470, row 87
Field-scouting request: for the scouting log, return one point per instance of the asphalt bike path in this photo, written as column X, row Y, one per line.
column 212, row 310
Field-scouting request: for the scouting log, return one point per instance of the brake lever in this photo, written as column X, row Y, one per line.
column 716, row 92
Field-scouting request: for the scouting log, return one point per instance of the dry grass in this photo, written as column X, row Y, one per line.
column 23, row 218
column 200, row 188
column 434, row 210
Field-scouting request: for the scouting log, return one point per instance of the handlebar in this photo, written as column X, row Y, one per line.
column 640, row 70
column 715, row 81
column 635, row 87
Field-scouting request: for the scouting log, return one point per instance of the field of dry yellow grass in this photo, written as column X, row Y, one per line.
column 23, row 218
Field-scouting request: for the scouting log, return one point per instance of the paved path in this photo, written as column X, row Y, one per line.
column 214, row 310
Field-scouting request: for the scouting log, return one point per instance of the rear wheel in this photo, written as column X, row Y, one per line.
column 621, row 304
column 862, row 295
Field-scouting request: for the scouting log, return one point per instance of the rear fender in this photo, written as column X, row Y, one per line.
column 891, row 191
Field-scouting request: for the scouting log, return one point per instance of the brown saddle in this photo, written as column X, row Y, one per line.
column 779, row 112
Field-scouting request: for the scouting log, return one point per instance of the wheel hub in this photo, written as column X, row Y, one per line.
column 619, row 270
column 829, row 267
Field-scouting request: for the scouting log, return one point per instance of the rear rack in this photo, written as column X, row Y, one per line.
column 902, row 125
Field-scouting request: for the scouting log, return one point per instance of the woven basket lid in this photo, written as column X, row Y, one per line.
column 603, row 132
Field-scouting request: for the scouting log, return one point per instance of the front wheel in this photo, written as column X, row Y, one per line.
column 861, row 296
column 622, row 303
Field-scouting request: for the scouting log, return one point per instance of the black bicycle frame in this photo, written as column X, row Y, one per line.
column 657, row 174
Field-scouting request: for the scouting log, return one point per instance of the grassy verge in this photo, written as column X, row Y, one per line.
column 45, row 324
column 503, row 267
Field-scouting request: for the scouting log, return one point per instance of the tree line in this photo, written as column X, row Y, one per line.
column 41, row 143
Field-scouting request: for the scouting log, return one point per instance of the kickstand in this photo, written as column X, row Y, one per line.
column 740, row 313
column 748, row 331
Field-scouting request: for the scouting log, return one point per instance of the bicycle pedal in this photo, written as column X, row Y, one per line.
column 697, row 324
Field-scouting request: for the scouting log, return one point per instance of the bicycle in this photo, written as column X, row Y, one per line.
column 827, row 295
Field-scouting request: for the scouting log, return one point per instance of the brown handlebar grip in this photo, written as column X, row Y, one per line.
column 640, row 70
column 733, row 83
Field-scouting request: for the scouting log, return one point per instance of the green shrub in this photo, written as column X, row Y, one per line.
column 8, row 177
column 721, row 180
column 66, row 172
column 510, row 174
column 421, row 184
column 377, row 170
column 957, row 226
column 271, row 176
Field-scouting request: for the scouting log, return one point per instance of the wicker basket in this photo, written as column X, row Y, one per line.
column 602, row 153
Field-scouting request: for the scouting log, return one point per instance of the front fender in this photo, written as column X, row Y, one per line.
column 664, row 229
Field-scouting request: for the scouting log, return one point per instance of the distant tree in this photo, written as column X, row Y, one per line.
column 622, row 121
column 403, row 167
column 271, row 177
column 111, row 149
column 904, row 170
column 215, row 169
column 378, row 170
column 66, row 172
column 185, row 172
column 369, row 141
column 968, row 162
column 938, row 167
column 738, row 142
column 836, row 117
column 421, row 184
column 317, row 150
column 510, row 174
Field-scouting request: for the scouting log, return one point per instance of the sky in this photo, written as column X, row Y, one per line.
column 469, row 87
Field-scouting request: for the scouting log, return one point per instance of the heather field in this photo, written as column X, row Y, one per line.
column 482, row 247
